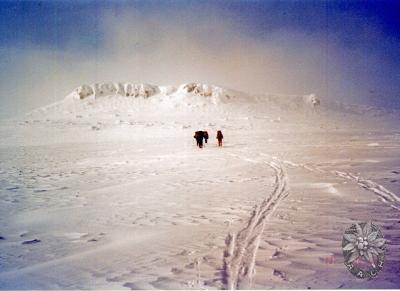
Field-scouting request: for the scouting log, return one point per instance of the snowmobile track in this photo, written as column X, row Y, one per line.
column 241, row 248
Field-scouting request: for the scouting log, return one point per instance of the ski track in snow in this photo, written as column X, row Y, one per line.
column 386, row 195
column 241, row 248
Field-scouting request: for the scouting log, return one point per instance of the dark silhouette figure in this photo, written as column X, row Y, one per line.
column 205, row 134
column 219, row 138
column 199, row 135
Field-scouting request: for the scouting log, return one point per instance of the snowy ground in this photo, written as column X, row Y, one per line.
column 110, row 194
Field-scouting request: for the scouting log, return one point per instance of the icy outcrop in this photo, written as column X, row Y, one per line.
column 197, row 89
column 110, row 88
column 140, row 90
column 311, row 100
column 212, row 93
column 104, row 89
column 83, row 92
column 206, row 90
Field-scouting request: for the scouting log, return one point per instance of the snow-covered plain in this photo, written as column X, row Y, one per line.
column 106, row 189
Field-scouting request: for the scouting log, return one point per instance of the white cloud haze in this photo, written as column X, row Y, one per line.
column 155, row 49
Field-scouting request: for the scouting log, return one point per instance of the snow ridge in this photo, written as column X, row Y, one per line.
column 191, row 94
column 111, row 88
column 147, row 90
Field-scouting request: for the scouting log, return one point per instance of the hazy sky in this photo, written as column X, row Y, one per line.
column 345, row 50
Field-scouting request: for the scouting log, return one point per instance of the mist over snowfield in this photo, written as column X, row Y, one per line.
column 244, row 47
column 102, row 185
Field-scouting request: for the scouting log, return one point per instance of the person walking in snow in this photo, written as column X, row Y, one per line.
column 199, row 135
column 220, row 136
column 205, row 134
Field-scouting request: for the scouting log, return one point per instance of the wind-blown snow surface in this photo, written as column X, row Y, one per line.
column 109, row 191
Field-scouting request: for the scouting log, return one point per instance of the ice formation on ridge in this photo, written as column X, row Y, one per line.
column 212, row 93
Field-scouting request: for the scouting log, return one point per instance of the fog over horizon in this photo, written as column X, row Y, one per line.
column 339, row 52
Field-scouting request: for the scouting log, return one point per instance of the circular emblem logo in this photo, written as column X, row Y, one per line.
column 364, row 250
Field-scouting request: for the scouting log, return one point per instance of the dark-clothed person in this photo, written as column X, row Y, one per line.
column 220, row 136
column 199, row 135
column 205, row 134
